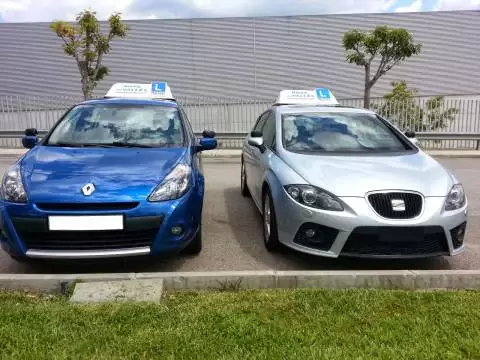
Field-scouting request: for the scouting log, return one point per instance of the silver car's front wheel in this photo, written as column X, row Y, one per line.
column 267, row 218
column 243, row 181
column 270, row 235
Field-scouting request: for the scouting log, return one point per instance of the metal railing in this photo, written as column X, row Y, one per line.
column 233, row 118
column 235, row 140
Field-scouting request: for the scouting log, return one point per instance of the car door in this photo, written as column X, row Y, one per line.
column 261, row 161
column 251, row 154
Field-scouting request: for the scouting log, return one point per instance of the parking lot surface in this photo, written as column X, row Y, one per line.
column 232, row 234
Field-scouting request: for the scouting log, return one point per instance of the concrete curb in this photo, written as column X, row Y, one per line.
column 268, row 279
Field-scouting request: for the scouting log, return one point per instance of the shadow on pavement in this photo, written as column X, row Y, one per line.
column 247, row 228
column 147, row 264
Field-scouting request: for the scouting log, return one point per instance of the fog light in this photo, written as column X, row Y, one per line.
column 310, row 233
column 458, row 235
column 176, row 230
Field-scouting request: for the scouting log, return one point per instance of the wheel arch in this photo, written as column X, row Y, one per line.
column 272, row 184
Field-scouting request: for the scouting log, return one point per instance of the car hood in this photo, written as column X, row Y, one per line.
column 57, row 174
column 357, row 175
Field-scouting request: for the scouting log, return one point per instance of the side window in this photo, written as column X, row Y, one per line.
column 261, row 120
column 269, row 130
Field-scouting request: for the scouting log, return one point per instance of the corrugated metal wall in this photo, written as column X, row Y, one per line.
column 249, row 56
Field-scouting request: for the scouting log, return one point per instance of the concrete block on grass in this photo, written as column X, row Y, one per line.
column 148, row 290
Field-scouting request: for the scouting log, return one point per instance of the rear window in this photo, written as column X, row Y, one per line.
column 339, row 132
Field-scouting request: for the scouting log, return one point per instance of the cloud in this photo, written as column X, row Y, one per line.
column 238, row 8
column 457, row 4
column 413, row 7
column 48, row 10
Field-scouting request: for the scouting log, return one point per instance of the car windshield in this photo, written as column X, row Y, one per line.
column 339, row 132
column 119, row 125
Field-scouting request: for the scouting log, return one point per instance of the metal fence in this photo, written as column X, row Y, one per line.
column 232, row 118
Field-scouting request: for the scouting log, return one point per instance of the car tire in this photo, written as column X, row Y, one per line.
column 21, row 259
column 243, row 181
column 270, row 230
column 195, row 246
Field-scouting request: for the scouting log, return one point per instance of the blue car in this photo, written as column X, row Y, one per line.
column 115, row 177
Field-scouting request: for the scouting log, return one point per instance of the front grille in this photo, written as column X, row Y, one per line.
column 396, row 205
column 88, row 240
column 322, row 239
column 114, row 206
column 396, row 241
column 138, row 232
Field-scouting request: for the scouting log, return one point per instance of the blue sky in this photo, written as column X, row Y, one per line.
column 48, row 10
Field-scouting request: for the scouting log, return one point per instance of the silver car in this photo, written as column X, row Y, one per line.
column 337, row 181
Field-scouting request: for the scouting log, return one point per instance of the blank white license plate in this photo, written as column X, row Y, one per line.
column 85, row 223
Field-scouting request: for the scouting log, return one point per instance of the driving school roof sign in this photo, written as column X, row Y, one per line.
column 154, row 90
column 318, row 96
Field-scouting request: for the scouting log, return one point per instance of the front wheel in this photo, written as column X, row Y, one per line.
column 270, row 232
column 21, row 259
column 243, row 181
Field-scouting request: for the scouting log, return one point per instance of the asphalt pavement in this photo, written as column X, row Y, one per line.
column 232, row 232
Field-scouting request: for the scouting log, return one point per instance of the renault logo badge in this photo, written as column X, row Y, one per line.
column 88, row 189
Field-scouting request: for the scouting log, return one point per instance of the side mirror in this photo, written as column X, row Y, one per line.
column 412, row 137
column 256, row 134
column 29, row 142
column 410, row 134
column 208, row 134
column 31, row 132
column 257, row 142
column 207, row 143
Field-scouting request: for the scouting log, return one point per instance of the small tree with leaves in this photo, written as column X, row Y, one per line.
column 87, row 45
column 402, row 107
column 390, row 45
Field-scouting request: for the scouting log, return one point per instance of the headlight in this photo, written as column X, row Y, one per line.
column 12, row 186
column 456, row 198
column 174, row 185
column 314, row 197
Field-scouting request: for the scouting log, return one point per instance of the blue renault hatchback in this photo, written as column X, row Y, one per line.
column 115, row 177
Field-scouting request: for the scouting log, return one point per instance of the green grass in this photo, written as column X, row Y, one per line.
column 302, row 324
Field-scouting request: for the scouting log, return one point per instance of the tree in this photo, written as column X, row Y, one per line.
column 87, row 45
column 391, row 45
column 401, row 107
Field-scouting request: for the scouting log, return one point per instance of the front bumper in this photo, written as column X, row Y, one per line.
column 147, row 230
column 359, row 231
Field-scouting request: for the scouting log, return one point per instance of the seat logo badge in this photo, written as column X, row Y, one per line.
column 398, row 205
column 88, row 189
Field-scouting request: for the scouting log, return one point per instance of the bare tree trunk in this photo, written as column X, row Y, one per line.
column 86, row 89
column 86, row 96
column 366, row 97
column 366, row 92
column 82, row 67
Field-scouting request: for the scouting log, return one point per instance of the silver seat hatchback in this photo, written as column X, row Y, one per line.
column 338, row 181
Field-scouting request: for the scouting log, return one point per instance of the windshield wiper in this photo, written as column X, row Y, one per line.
column 66, row 144
column 128, row 144
column 104, row 145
